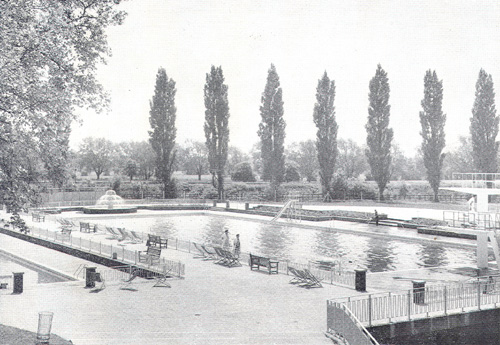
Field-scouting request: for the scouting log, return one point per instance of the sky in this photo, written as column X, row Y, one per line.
column 303, row 39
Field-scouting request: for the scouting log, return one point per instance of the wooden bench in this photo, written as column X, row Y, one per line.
column 151, row 255
column 85, row 227
column 260, row 261
column 38, row 217
column 155, row 240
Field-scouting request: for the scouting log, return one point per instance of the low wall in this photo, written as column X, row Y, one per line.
column 104, row 261
column 478, row 327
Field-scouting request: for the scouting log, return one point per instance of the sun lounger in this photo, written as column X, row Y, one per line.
column 226, row 258
column 298, row 276
column 126, row 284
column 115, row 235
column 161, row 278
column 312, row 280
column 200, row 254
column 210, row 254
column 126, row 236
column 135, row 235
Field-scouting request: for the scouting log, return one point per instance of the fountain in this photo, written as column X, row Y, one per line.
column 109, row 203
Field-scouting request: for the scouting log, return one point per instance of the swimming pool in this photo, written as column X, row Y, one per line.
column 33, row 273
column 294, row 242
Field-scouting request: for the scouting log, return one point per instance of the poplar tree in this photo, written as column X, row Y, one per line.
column 484, row 125
column 432, row 120
column 272, row 130
column 216, row 125
column 326, row 136
column 379, row 135
column 162, row 136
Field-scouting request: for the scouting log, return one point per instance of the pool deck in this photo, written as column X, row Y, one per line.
column 212, row 305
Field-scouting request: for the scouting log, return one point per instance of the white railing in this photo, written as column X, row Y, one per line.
column 110, row 251
column 434, row 301
column 476, row 220
column 343, row 326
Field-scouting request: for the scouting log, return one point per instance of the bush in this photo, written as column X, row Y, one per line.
column 243, row 172
column 291, row 173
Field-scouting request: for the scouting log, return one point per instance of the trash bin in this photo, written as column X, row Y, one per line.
column 215, row 203
column 90, row 277
column 247, row 206
column 418, row 291
column 227, row 204
column 360, row 279
column 18, row 282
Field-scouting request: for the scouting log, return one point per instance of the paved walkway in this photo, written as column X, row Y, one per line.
column 212, row 305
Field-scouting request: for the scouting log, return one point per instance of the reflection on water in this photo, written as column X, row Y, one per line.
column 432, row 255
column 290, row 242
column 379, row 256
column 274, row 240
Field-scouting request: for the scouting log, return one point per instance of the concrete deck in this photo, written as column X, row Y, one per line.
column 212, row 305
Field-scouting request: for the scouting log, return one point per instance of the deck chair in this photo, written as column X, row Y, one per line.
column 298, row 276
column 312, row 280
column 125, row 236
column 200, row 254
column 126, row 283
column 114, row 234
column 221, row 257
column 136, row 237
column 161, row 279
column 210, row 255
column 231, row 260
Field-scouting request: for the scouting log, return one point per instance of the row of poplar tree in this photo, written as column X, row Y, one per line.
column 483, row 128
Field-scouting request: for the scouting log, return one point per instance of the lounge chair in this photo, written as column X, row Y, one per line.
column 298, row 276
column 221, row 258
column 125, row 235
column 312, row 280
column 200, row 254
column 114, row 234
column 210, row 254
column 137, row 238
column 126, row 284
column 161, row 278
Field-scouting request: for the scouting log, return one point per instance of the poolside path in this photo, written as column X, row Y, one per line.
column 212, row 305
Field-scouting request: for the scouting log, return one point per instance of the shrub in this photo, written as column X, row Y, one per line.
column 291, row 173
column 243, row 172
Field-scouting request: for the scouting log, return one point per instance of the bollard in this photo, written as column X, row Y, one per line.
column 418, row 291
column 227, row 204
column 18, row 282
column 215, row 203
column 44, row 326
column 115, row 256
column 360, row 280
column 90, row 277
column 247, row 206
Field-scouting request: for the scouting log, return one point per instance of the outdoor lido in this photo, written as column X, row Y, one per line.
column 130, row 272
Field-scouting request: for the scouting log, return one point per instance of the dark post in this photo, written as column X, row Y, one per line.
column 360, row 280
column 18, row 282
column 418, row 291
column 90, row 277
column 227, row 204
column 247, row 206
column 215, row 203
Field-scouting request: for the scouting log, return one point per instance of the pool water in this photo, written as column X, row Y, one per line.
column 289, row 242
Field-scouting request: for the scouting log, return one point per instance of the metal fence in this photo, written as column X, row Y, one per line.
column 118, row 252
column 433, row 301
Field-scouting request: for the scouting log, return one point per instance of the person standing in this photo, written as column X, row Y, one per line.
column 226, row 245
column 237, row 246
column 376, row 218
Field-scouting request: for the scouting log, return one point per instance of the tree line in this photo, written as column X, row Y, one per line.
column 379, row 150
column 50, row 51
